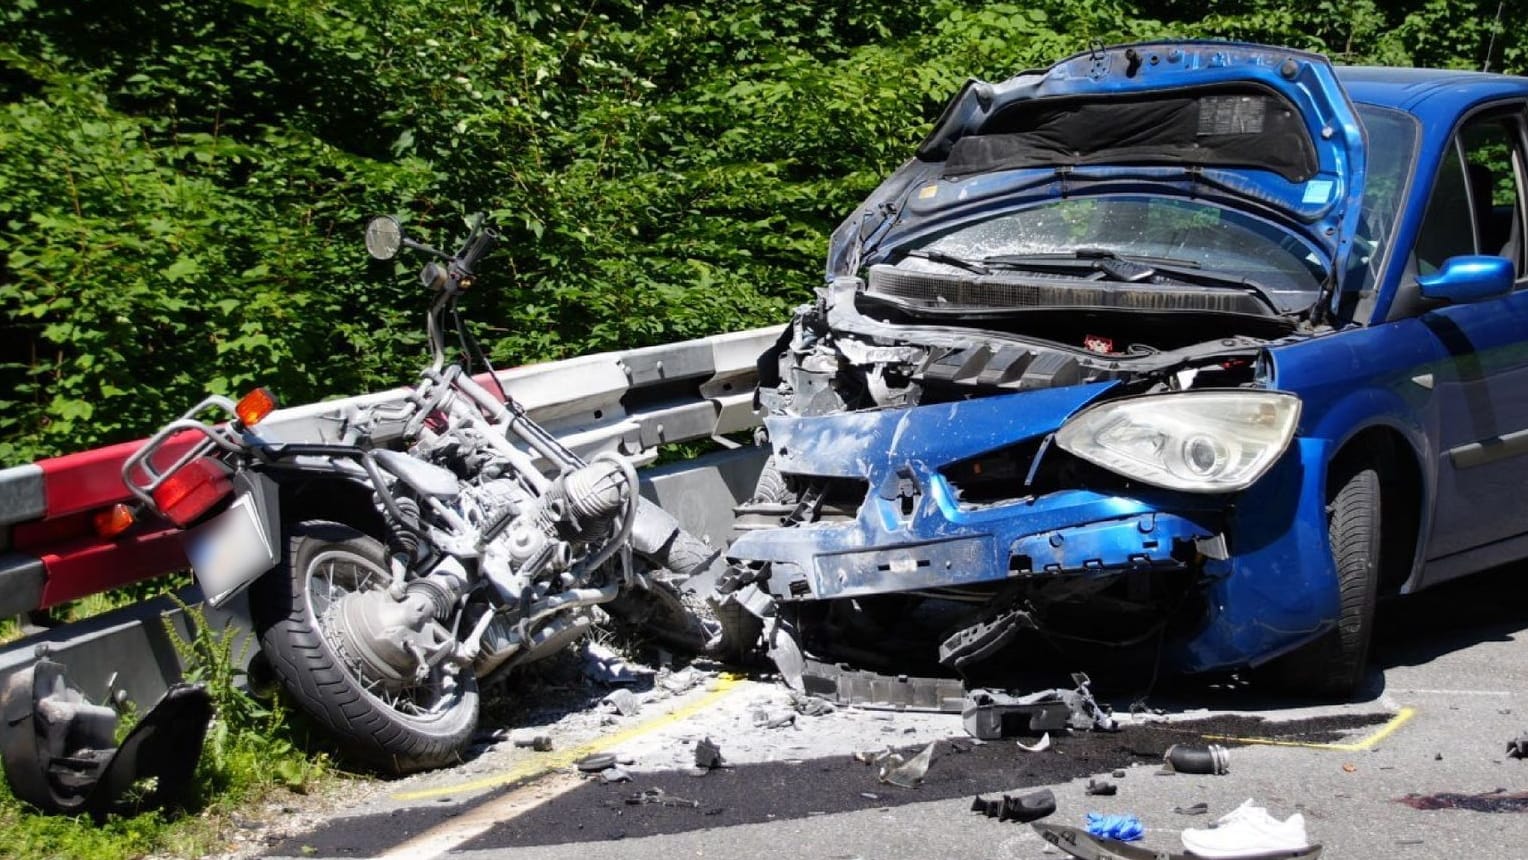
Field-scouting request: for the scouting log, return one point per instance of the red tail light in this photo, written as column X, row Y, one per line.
column 192, row 491
column 114, row 520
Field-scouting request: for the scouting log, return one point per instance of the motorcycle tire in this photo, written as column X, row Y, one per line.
column 409, row 731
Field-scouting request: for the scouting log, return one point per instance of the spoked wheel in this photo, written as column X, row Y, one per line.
column 392, row 724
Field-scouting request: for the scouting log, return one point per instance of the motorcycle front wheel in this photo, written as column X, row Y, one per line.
column 294, row 608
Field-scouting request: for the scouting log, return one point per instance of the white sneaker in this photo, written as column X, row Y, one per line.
column 1247, row 831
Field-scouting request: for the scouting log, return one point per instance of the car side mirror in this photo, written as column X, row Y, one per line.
column 1470, row 278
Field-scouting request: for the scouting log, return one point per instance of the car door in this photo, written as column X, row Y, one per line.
column 1479, row 392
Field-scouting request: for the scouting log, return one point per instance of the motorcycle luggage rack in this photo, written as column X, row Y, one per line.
column 141, row 463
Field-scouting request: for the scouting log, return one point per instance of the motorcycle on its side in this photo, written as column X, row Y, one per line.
column 432, row 543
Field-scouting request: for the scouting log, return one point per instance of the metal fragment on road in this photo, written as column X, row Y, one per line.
column 614, row 774
column 624, row 701
column 605, row 666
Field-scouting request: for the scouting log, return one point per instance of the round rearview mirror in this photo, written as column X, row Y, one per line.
column 384, row 236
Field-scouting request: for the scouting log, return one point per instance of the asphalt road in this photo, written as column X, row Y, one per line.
column 1446, row 695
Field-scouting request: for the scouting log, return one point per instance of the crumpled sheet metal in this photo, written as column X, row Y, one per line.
column 57, row 748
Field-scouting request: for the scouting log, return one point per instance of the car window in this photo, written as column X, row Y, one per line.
column 1492, row 167
column 1446, row 227
column 1476, row 206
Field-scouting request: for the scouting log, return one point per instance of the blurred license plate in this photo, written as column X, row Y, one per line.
column 230, row 550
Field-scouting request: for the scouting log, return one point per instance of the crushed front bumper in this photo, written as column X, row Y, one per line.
column 1260, row 557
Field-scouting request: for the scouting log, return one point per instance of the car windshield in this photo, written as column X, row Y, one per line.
column 1166, row 230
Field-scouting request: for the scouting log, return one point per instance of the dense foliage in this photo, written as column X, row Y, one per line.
column 183, row 182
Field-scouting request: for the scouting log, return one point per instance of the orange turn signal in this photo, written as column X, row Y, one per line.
column 254, row 406
column 114, row 520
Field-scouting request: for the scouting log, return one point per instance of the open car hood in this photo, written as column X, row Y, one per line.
column 1262, row 129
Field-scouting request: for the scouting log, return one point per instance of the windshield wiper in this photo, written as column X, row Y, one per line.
column 950, row 260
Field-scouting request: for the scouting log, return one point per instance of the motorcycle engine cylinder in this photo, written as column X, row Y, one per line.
column 595, row 492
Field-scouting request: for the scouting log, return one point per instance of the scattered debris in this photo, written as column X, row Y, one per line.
column 907, row 773
column 659, row 797
column 1199, row 808
column 764, row 719
column 1040, row 745
column 1349, row 767
column 1183, row 758
column 1518, row 746
column 1118, row 774
column 1101, row 788
column 1022, row 808
column 1247, row 831
column 604, row 666
column 841, row 685
column 708, row 756
column 595, row 763
column 811, row 706
column 990, row 714
column 1489, row 801
column 1125, row 828
column 58, row 752
column 614, row 774
column 870, row 795
column 684, row 679
column 539, row 743
column 624, row 701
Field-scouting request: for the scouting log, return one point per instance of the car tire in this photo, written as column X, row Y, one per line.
column 1334, row 665
column 393, row 739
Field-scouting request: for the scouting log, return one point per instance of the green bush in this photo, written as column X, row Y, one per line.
column 183, row 182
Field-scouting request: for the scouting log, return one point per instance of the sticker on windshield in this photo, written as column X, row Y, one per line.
column 1318, row 191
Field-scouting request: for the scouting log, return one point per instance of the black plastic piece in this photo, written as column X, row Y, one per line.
column 1101, row 788
column 58, row 753
column 1025, row 808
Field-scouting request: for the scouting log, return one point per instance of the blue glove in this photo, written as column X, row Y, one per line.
column 1125, row 828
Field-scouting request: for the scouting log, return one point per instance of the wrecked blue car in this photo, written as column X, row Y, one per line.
column 1192, row 349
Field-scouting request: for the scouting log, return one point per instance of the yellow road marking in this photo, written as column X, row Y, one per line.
column 557, row 760
column 1401, row 718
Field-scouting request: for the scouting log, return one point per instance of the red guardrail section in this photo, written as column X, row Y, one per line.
column 75, row 560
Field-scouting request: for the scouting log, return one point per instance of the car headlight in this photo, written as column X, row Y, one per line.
column 1215, row 441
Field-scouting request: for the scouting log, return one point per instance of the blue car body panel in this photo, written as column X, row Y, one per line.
column 1446, row 386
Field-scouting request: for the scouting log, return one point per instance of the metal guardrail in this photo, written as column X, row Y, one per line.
column 630, row 401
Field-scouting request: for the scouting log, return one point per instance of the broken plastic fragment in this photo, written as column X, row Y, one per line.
column 708, row 756
column 1199, row 808
column 624, row 701
column 1518, row 746
column 659, row 797
column 1101, row 788
column 614, row 774
column 810, row 706
column 1040, row 745
column 908, row 774
column 57, row 749
column 1025, row 808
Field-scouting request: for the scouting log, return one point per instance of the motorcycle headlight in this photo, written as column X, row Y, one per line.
column 1216, row 441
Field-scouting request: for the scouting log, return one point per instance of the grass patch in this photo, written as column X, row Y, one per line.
column 252, row 753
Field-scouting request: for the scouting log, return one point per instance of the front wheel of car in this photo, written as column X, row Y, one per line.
column 1334, row 665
